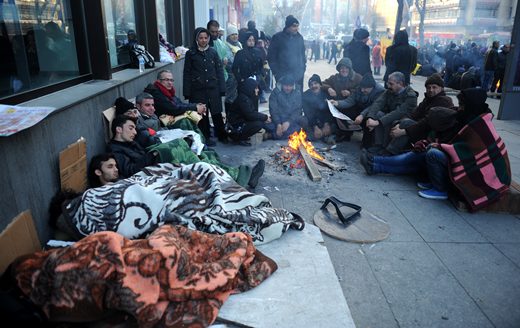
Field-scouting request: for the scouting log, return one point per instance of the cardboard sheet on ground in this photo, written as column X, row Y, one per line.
column 16, row 118
column 336, row 113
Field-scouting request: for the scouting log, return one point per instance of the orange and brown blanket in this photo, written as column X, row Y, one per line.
column 175, row 278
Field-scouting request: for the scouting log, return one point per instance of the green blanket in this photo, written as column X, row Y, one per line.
column 178, row 152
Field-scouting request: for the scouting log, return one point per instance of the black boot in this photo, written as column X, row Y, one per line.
column 220, row 128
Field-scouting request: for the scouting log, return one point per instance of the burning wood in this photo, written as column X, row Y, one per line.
column 300, row 153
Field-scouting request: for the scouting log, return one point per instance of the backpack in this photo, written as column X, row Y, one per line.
column 137, row 51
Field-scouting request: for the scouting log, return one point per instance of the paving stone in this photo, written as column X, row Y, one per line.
column 434, row 220
column 303, row 292
column 419, row 288
column 497, row 228
column 496, row 287
column 511, row 251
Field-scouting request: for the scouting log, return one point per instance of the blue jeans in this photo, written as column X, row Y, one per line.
column 434, row 161
column 487, row 79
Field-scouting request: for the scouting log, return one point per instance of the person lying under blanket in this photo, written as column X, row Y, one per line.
column 200, row 196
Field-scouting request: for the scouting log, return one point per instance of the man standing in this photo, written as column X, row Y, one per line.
column 501, row 69
column 490, row 65
column 400, row 57
column 219, row 45
column 396, row 102
column 286, row 54
column 358, row 52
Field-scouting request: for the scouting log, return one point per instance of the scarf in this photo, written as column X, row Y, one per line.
column 168, row 93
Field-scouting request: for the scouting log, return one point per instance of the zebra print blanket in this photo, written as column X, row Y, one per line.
column 200, row 196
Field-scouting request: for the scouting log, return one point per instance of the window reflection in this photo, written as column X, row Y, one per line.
column 161, row 18
column 120, row 20
column 37, row 45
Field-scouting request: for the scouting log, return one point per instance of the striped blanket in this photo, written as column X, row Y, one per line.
column 200, row 196
column 479, row 166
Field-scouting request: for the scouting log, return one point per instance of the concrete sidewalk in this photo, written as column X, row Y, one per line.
column 439, row 267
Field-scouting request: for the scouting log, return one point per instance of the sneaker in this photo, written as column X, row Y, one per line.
column 433, row 194
column 424, row 185
column 256, row 173
column 367, row 161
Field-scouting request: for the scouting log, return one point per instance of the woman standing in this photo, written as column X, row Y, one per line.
column 377, row 59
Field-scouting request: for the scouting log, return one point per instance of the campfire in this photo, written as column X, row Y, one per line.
column 301, row 153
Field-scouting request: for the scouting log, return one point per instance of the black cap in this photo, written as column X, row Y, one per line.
column 290, row 21
column 367, row 81
column 123, row 105
column 314, row 78
column 361, row 33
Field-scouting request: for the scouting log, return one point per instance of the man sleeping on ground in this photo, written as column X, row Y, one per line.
column 200, row 196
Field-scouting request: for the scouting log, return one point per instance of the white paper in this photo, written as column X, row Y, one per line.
column 169, row 135
column 336, row 113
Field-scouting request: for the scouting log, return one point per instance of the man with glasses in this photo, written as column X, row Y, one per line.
column 166, row 102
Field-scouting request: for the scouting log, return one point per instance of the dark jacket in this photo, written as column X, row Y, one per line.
column 285, row 107
column 394, row 106
column 420, row 130
column 315, row 108
column 245, row 107
column 165, row 106
column 248, row 62
column 400, row 57
column 130, row 157
column 338, row 82
column 491, row 61
column 286, row 55
column 359, row 53
column 361, row 100
column 203, row 73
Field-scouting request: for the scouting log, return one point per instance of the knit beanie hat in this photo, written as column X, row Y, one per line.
column 123, row 105
column 232, row 29
column 314, row 78
column 290, row 21
column 367, row 81
column 287, row 80
column 361, row 34
column 435, row 78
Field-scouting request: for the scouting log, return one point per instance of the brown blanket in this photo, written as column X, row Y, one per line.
column 175, row 278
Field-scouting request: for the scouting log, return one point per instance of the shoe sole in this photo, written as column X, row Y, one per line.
column 432, row 197
column 256, row 173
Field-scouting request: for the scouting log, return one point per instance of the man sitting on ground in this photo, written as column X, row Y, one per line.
column 356, row 106
column 414, row 127
column 341, row 85
column 102, row 170
column 167, row 103
column 318, row 120
column 285, row 107
column 395, row 103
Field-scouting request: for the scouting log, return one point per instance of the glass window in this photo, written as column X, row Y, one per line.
column 37, row 45
column 120, row 20
column 161, row 18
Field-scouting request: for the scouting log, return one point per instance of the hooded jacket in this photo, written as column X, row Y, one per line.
column 203, row 72
column 315, row 108
column 339, row 83
column 248, row 61
column 245, row 107
column 359, row 53
column 400, row 57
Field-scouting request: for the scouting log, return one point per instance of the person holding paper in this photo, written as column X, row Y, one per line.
column 356, row 106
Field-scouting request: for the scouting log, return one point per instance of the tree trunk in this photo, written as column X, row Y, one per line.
column 399, row 17
column 421, row 9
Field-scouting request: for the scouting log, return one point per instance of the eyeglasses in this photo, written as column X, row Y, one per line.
column 169, row 80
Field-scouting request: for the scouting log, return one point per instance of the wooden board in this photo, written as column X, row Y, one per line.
column 327, row 163
column 73, row 166
column 312, row 169
column 366, row 228
column 509, row 202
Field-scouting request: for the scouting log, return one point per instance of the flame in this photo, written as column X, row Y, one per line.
column 498, row 84
column 296, row 139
